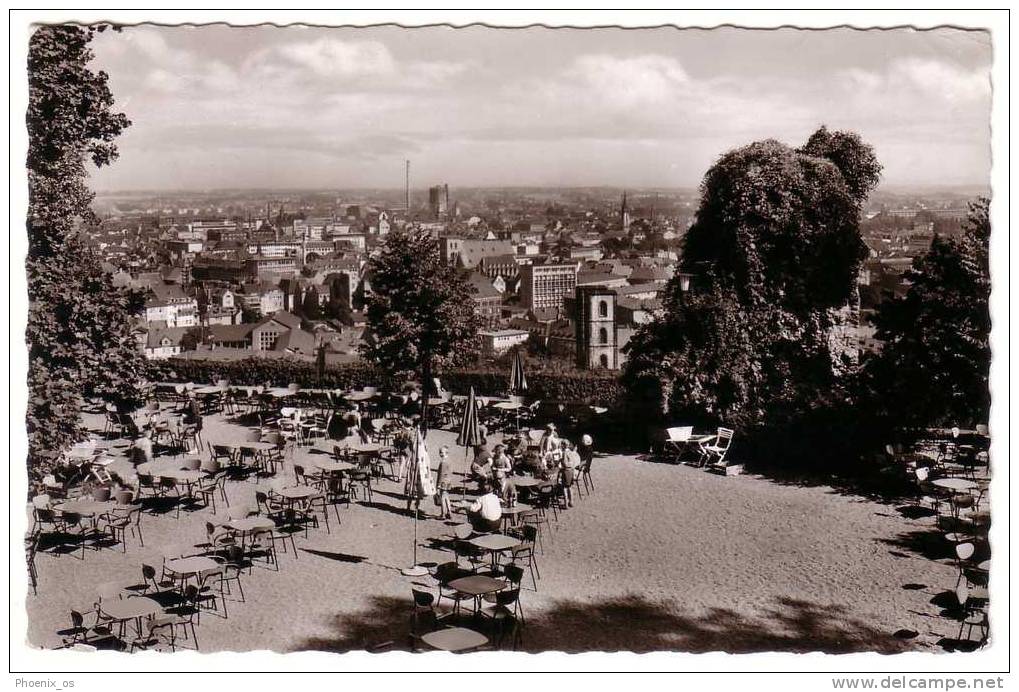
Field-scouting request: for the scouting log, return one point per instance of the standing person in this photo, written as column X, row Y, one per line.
column 586, row 451
column 419, row 483
column 502, row 467
column 141, row 449
column 549, row 447
column 443, row 482
column 568, row 465
column 481, row 467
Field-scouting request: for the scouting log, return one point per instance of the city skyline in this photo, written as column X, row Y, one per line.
column 217, row 107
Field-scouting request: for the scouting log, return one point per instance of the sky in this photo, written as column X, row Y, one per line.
column 302, row 107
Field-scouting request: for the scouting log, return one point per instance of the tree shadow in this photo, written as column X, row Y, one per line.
column 633, row 623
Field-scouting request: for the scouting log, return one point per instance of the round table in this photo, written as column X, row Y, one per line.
column 299, row 492
column 477, row 585
column 331, row 466
column 367, row 448
column 526, row 481
column 183, row 476
column 251, row 524
column 957, row 484
column 133, row 608
column 88, row 508
column 494, row 543
column 508, row 405
column 358, row 396
column 454, row 639
column 510, row 514
column 190, row 566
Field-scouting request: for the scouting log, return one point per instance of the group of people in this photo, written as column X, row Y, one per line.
column 554, row 458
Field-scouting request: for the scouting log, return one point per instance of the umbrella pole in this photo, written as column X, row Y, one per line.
column 415, row 570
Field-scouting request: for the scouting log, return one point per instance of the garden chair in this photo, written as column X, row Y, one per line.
column 121, row 520
column 713, row 451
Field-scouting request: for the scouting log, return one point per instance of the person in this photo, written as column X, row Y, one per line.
column 517, row 446
column 549, row 444
column 485, row 513
column 404, row 457
column 419, row 480
column 141, row 449
column 481, row 467
column 569, row 461
column 502, row 467
column 443, row 482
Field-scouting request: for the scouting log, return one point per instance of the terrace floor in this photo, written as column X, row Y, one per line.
column 659, row 557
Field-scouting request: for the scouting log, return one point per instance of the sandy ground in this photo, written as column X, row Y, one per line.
column 659, row 557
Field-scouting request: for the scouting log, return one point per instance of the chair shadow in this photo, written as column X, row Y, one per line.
column 633, row 623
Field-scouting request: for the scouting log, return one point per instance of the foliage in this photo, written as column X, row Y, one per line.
column 79, row 337
column 775, row 250
column 935, row 362
column 585, row 386
column 420, row 311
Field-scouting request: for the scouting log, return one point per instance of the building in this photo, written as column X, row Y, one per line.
column 170, row 306
column 499, row 265
column 501, row 340
column 261, row 266
column 438, row 201
column 487, row 300
column 471, row 252
column 602, row 279
column 164, row 342
column 543, row 286
column 595, row 328
column 279, row 333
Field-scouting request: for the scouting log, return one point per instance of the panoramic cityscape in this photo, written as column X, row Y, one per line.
column 384, row 339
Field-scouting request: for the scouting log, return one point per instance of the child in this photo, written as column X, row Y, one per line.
column 443, row 482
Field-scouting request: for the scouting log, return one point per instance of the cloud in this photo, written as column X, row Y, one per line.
column 334, row 63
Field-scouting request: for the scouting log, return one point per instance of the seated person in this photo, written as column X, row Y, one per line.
column 485, row 514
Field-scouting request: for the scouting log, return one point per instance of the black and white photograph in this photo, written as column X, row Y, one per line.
column 410, row 338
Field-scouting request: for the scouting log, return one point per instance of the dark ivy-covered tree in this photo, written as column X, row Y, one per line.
column 935, row 361
column 79, row 331
column 775, row 250
column 420, row 312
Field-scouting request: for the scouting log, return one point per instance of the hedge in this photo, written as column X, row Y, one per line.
column 601, row 388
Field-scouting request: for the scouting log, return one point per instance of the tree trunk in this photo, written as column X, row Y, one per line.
column 426, row 377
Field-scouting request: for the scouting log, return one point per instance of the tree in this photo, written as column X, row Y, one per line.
column 309, row 306
column 79, row 325
column 420, row 313
column 934, row 365
column 775, row 250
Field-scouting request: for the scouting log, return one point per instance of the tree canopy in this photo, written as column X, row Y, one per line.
column 775, row 250
column 79, row 337
column 935, row 360
column 420, row 312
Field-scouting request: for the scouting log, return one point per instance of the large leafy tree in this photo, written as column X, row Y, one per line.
column 936, row 356
column 420, row 313
column 79, row 334
column 775, row 250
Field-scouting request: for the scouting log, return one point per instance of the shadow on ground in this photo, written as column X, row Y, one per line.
column 633, row 623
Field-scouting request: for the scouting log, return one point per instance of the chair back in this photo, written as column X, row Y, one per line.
column 192, row 463
column 148, row 572
column 507, row 597
column 41, row 501
column 124, row 497
column 983, row 430
column 725, row 437
column 679, row 434
column 922, row 473
column 145, row 480
column 514, row 573
column 422, row 599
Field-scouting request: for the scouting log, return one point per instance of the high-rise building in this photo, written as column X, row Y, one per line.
column 543, row 286
column 438, row 201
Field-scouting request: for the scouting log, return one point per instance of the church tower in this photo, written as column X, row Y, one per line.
column 624, row 214
column 596, row 328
